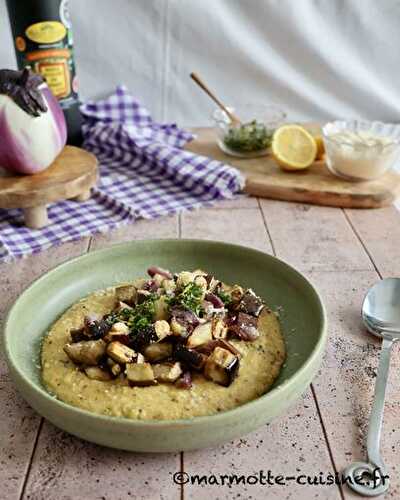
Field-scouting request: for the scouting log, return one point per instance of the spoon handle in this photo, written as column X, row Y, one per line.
column 376, row 417
column 195, row 77
column 375, row 480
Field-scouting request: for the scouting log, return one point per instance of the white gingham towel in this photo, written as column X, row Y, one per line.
column 144, row 173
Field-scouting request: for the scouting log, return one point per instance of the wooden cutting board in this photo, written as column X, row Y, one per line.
column 315, row 185
column 71, row 176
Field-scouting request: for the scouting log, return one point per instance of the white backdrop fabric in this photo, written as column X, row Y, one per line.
column 319, row 59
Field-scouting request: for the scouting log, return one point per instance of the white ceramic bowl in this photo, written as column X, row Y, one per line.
column 363, row 158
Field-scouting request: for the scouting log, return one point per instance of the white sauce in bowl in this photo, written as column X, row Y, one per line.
column 360, row 155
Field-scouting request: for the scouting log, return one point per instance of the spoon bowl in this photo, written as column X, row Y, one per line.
column 381, row 309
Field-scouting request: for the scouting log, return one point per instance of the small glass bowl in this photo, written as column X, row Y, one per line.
column 269, row 115
column 364, row 159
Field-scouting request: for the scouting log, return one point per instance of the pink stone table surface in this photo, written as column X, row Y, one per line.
column 343, row 252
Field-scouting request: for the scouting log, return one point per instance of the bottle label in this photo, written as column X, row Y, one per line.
column 47, row 48
column 46, row 32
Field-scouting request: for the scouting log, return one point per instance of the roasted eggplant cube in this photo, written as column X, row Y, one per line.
column 97, row 373
column 221, row 367
column 86, row 352
column 161, row 309
column 251, row 303
column 140, row 374
column 126, row 293
column 142, row 296
column 144, row 337
column 178, row 329
column 200, row 335
column 190, row 357
column 219, row 328
column 119, row 331
column 158, row 351
column 162, row 329
column 77, row 334
column 245, row 327
column 167, row 372
column 120, row 352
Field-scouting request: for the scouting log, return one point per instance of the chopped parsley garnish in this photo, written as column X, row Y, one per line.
column 190, row 297
column 138, row 318
column 225, row 297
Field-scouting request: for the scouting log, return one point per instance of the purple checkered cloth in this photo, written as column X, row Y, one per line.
column 144, row 173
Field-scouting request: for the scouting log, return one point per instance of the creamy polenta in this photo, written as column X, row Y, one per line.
column 120, row 387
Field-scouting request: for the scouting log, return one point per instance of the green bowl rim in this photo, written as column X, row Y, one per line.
column 41, row 391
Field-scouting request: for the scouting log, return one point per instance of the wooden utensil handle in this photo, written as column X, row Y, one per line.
column 194, row 76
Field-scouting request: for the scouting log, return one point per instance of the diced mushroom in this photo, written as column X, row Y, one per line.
column 184, row 381
column 87, row 352
column 219, row 328
column 161, row 308
column 251, row 303
column 245, row 327
column 158, row 351
column 126, row 293
column 96, row 373
column 200, row 335
column 162, row 329
column 94, row 327
column 140, row 374
column 153, row 270
column 221, row 367
column 120, row 352
column 190, row 357
column 167, row 372
column 119, row 331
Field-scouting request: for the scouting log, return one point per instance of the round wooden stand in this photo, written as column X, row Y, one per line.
column 70, row 177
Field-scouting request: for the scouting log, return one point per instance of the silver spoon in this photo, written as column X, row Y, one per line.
column 381, row 316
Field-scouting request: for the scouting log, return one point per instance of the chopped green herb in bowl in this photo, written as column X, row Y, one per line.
column 252, row 136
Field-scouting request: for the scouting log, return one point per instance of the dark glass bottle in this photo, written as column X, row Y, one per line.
column 43, row 40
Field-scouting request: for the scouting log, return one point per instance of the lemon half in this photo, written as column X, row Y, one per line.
column 293, row 147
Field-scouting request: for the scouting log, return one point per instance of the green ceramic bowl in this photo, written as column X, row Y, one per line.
column 303, row 319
